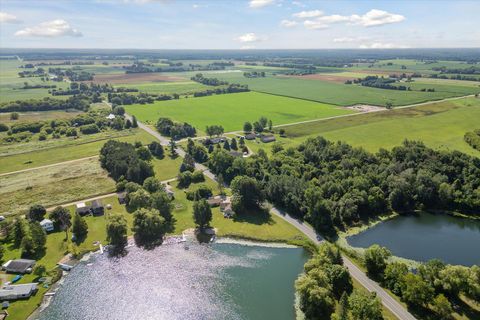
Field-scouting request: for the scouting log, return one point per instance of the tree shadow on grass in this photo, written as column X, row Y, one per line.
column 463, row 309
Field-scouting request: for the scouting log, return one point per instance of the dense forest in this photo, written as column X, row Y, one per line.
column 335, row 185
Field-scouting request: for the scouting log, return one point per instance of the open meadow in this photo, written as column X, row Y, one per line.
column 232, row 110
column 439, row 125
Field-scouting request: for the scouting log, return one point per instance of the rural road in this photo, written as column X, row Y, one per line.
column 390, row 303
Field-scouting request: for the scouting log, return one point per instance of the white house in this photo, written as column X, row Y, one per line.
column 47, row 225
column 17, row 291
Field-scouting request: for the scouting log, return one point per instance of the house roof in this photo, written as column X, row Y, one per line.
column 81, row 205
column 17, row 289
column 18, row 265
column 250, row 136
column 97, row 204
column 268, row 138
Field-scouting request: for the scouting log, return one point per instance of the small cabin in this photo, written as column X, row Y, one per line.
column 267, row 138
column 250, row 136
column 47, row 225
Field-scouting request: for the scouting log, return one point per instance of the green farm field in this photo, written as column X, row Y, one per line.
column 439, row 125
column 11, row 83
column 167, row 87
column 232, row 110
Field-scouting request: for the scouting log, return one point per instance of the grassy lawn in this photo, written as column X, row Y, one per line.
column 439, row 125
column 232, row 110
column 64, row 151
column 53, row 185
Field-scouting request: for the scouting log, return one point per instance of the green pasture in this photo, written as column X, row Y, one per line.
column 232, row 110
column 439, row 125
column 39, row 116
column 340, row 94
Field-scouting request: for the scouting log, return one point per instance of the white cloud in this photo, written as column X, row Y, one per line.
column 288, row 23
column 315, row 19
column 376, row 17
column 308, row 14
column 381, row 45
column 313, row 24
column 260, row 3
column 8, row 18
column 250, row 37
column 298, row 4
column 49, row 29
column 344, row 39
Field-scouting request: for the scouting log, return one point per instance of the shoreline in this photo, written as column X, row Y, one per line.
column 46, row 300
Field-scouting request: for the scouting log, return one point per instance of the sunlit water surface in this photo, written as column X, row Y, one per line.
column 219, row 281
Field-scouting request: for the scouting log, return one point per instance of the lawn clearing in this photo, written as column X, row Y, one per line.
column 232, row 110
column 439, row 125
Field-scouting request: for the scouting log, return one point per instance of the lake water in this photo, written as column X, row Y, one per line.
column 426, row 236
column 218, row 281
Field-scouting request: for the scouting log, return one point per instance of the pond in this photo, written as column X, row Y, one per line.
column 426, row 236
column 217, row 281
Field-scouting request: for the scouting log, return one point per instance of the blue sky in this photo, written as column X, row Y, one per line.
column 260, row 24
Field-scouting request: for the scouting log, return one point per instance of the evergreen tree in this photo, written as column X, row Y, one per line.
column 79, row 227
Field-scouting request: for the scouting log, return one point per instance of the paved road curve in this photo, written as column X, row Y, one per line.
column 391, row 304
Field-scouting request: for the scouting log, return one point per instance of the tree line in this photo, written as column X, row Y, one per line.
column 175, row 130
column 78, row 102
column 473, row 139
column 333, row 185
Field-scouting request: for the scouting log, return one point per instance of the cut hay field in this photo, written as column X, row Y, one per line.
column 54, row 185
column 232, row 110
column 439, row 125
column 338, row 93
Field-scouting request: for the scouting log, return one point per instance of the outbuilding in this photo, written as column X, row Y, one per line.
column 97, row 208
column 122, row 197
column 267, row 138
column 82, row 209
column 19, row 266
